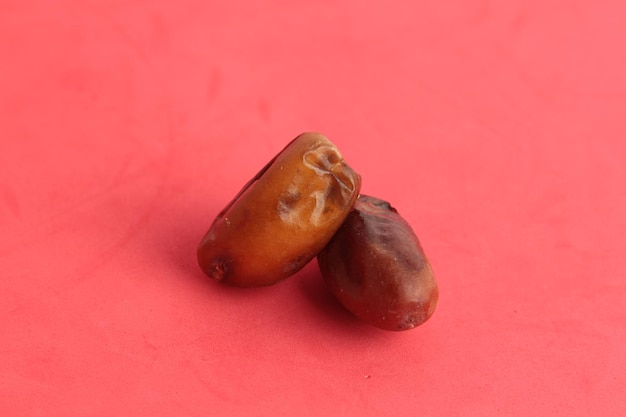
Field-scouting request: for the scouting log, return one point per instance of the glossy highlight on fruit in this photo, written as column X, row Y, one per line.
column 376, row 267
column 283, row 217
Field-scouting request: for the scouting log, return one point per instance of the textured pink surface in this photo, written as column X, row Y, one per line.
column 496, row 128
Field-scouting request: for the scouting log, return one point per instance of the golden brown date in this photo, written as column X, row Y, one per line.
column 376, row 268
column 283, row 217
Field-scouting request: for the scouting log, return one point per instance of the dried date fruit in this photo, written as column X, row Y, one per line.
column 376, row 267
column 283, row 217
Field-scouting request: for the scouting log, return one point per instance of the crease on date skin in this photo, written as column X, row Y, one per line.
column 324, row 166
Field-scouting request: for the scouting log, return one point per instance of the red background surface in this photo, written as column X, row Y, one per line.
column 498, row 129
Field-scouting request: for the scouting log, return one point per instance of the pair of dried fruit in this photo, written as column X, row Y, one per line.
column 305, row 203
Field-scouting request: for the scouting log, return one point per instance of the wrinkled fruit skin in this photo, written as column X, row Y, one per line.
column 283, row 217
column 376, row 268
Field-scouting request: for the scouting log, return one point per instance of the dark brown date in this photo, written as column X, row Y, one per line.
column 283, row 217
column 376, row 267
